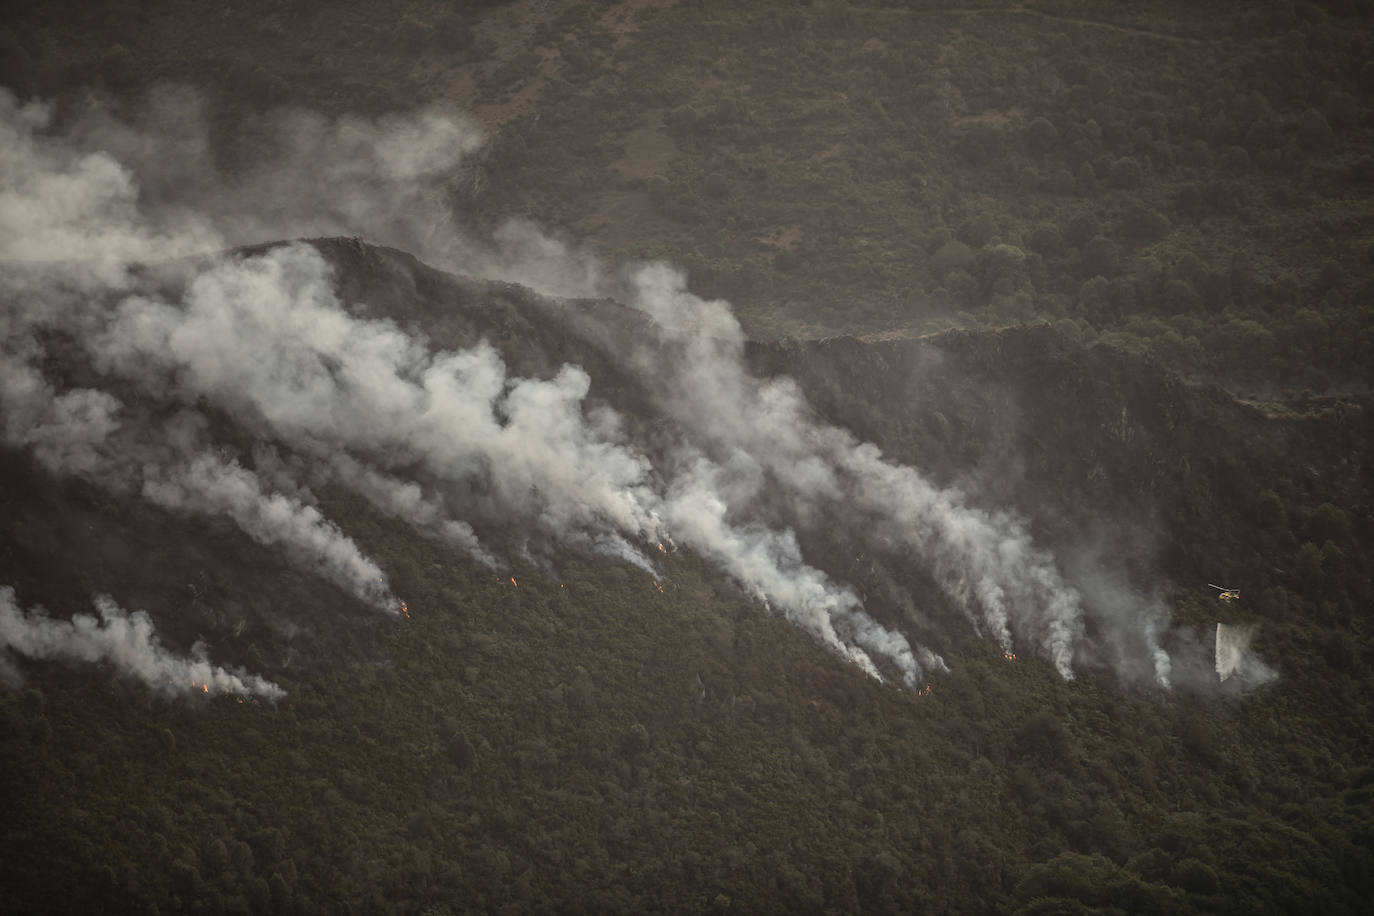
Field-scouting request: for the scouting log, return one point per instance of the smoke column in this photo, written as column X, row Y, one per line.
column 984, row 560
column 77, row 433
column 769, row 564
column 128, row 643
column 211, row 486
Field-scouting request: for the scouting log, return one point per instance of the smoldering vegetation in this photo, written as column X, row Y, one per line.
column 128, row 642
column 131, row 350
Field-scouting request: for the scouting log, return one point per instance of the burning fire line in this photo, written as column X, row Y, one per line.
column 1009, row 656
column 205, row 689
column 659, row 587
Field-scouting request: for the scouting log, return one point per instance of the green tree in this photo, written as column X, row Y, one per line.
column 1040, row 136
column 1126, row 173
column 952, row 255
column 1313, row 131
column 1307, row 570
column 1100, row 258
column 1144, row 224
column 1329, row 523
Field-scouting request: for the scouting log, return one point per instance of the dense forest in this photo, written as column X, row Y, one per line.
column 572, row 735
column 1108, row 266
column 1191, row 184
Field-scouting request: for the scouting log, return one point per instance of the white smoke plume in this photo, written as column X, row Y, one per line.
column 127, row 642
column 614, row 546
column 67, row 432
column 60, row 200
column 72, row 434
column 83, row 202
column 210, row 485
column 367, row 404
column 985, row 560
column 406, row 500
column 1163, row 664
column 266, row 339
column 110, row 191
column 769, row 564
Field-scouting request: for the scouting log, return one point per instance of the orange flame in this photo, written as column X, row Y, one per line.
column 924, row 691
column 659, row 587
column 205, row 688
column 661, row 548
column 405, row 611
column 513, row 582
column 1009, row 656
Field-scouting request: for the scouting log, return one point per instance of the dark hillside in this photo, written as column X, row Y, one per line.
column 584, row 739
column 1004, row 544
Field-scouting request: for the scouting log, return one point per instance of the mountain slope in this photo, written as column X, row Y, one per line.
column 568, row 730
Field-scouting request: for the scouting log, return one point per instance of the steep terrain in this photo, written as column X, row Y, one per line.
column 569, row 731
column 333, row 582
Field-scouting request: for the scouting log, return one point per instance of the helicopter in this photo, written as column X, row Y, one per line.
column 1227, row 594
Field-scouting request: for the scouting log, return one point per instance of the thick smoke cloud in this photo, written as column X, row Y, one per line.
column 110, row 191
column 266, row 339
column 444, row 437
column 127, row 642
column 60, row 200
